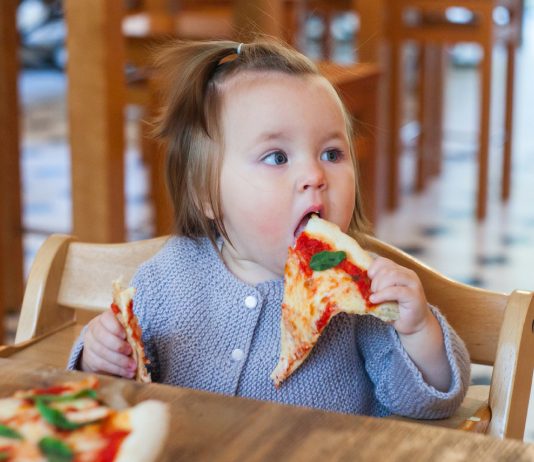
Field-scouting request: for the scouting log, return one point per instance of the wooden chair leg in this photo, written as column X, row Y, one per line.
column 163, row 211
column 154, row 153
column 437, row 145
column 327, row 46
column 485, row 121
column 508, row 124
column 394, row 123
column 423, row 113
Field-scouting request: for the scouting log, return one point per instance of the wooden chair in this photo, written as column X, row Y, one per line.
column 297, row 11
column 70, row 282
column 425, row 22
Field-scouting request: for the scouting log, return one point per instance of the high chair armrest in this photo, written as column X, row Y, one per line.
column 512, row 373
column 51, row 348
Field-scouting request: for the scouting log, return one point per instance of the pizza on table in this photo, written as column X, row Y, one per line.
column 69, row 422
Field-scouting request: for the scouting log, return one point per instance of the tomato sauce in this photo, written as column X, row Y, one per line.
column 327, row 314
column 307, row 247
column 56, row 390
column 109, row 452
column 115, row 308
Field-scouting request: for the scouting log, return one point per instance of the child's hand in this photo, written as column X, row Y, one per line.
column 392, row 282
column 105, row 351
column 419, row 331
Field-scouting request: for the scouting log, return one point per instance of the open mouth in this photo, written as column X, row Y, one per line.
column 304, row 220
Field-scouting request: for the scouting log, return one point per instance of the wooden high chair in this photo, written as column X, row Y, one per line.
column 70, row 282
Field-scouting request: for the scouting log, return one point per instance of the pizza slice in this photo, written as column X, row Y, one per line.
column 122, row 307
column 325, row 274
column 69, row 422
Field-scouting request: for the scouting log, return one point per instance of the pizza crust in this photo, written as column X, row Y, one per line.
column 149, row 422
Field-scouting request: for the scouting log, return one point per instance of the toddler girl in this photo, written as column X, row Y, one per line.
column 257, row 139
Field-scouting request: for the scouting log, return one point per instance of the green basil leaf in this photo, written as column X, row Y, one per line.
column 87, row 393
column 55, row 450
column 55, row 417
column 7, row 432
column 325, row 260
column 4, row 455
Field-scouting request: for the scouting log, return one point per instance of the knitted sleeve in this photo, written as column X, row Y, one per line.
column 76, row 352
column 399, row 385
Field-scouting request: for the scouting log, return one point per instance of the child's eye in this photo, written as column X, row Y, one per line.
column 332, row 155
column 275, row 158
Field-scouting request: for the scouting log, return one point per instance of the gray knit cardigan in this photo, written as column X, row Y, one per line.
column 204, row 328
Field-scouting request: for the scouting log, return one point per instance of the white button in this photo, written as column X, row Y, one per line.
column 251, row 301
column 238, row 354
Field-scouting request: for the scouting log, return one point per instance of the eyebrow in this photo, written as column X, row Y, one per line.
column 342, row 136
column 269, row 136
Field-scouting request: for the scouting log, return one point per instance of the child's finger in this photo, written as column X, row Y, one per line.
column 377, row 265
column 112, row 356
column 111, row 324
column 399, row 294
column 110, row 341
column 396, row 276
column 100, row 363
column 100, row 349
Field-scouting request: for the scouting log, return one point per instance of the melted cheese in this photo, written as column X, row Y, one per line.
column 88, row 415
column 34, row 430
column 9, row 408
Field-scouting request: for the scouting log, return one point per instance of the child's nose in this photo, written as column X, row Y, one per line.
column 312, row 177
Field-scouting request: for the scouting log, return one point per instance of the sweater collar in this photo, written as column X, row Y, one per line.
column 269, row 286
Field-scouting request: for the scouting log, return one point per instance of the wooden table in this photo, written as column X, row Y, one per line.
column 207, row 426
column 52, row 350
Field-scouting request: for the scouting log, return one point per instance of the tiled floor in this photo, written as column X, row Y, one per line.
column 436, row 226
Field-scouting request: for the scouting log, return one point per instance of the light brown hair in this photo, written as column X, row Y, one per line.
column 194, row 73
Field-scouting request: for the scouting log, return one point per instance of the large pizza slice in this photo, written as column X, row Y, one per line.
column 122, row 307
column 69, row 422
column 325, row 274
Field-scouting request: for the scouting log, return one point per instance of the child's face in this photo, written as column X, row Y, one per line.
column 286, row 154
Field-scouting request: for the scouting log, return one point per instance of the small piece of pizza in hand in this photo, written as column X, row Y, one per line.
column 325, row 274
column 122, row 307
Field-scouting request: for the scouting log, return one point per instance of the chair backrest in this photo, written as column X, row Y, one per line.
column 497, row 328
column 69, row 275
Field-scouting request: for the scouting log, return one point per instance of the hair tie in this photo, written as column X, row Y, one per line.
column 239, row 47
